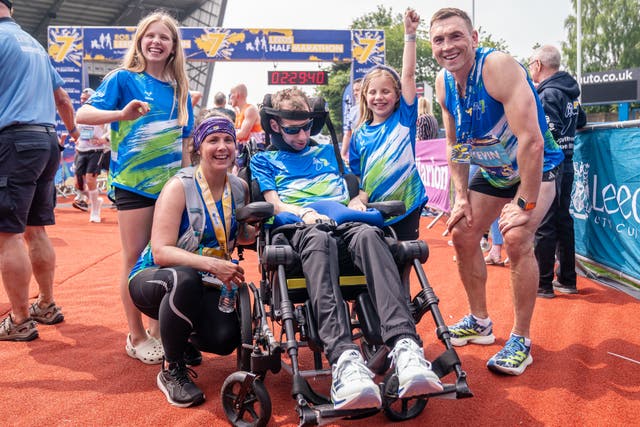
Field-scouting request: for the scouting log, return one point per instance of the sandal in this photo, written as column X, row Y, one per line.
column 149, row 352
column 489, row 260
column 49, row 315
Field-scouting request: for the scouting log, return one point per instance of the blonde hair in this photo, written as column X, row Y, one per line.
column 424, row 107
column 366, row 115
column 135, row 61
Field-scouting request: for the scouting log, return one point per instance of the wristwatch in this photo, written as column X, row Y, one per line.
column 524, row 205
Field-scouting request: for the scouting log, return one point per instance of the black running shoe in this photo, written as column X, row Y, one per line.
column 192, row 356
column 80, row 204
column 176, row 384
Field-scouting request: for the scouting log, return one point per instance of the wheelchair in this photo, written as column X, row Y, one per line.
column 279, row 307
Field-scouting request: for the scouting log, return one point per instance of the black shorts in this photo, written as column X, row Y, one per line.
column 105, row 160
column 87, row 162
column 128, row 200
column 29, row 160
column 481, row 185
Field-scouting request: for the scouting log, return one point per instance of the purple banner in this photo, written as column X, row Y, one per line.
column 431, row 160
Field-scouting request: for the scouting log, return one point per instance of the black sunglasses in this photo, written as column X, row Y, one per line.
column 294, row 130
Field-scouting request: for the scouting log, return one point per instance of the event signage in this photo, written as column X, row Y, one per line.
column 605, row 201
column 65, row 52
column 231, row 44
column 368, row 50
column 431, row 161
column 611, row 86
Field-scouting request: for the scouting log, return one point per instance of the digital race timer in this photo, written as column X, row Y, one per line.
column 298, row 77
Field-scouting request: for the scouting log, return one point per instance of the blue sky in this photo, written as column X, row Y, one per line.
column 520, row 23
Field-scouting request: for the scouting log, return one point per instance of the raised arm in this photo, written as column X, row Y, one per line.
column 408, row 76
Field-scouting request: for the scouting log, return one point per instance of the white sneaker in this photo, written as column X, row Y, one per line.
column 95, row 211
column 415, row 376
column 352, row 386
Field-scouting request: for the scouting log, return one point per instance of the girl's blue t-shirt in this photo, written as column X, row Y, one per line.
column 145, row 152
column 383, row 157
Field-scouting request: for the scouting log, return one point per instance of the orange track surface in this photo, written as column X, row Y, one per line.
column 78, row 374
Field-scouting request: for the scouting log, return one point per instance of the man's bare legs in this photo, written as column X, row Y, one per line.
column 466, row 240
column 16, row 273
column 524, row 267
column 519, row 247
column 18, row 264
column 43, row 262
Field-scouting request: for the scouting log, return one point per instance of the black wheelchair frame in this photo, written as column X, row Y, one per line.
column 281, row 300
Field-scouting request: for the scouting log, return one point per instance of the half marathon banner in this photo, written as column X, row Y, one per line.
column 605, row 201
column 431, row 161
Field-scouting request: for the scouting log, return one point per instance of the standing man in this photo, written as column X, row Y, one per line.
column 29, row 159
column 220, row 100
column 559, row 94
column 247, row 122
column 91, row 148
column 493, row 119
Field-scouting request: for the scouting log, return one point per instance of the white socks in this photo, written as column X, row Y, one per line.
column 96, row 205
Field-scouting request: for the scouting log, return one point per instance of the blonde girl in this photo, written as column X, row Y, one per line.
column 148, row 104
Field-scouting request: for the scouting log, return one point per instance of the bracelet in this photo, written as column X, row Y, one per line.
column 409, row 37
column 75, row 128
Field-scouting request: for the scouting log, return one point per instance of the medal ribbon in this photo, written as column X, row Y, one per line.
column 218, row 225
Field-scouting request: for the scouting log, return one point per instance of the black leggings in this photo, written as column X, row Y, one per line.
column 186, row 310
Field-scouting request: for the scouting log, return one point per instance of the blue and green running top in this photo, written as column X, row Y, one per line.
column 145, row 152
column 483, row 135
column 302, row 177
column 383, row 157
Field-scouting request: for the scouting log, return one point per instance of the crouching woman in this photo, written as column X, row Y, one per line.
column 193, row 235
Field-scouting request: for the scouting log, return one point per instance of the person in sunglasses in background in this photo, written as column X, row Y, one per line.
column 291, row 178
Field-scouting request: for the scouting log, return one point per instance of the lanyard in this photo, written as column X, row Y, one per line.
column 465, row 107
column 218, row 226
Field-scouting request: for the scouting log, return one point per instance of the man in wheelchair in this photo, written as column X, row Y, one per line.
column 297, row 174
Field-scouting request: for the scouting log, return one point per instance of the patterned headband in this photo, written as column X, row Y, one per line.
column 211, row 125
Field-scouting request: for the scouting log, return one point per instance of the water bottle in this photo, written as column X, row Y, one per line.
column 227, row 302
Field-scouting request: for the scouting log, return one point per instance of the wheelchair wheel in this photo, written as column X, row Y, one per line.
column 243, row 309
column 255, row 408
column 400, row 409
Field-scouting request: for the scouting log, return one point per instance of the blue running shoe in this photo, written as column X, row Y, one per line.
column 468, row 330
column 513, row 359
